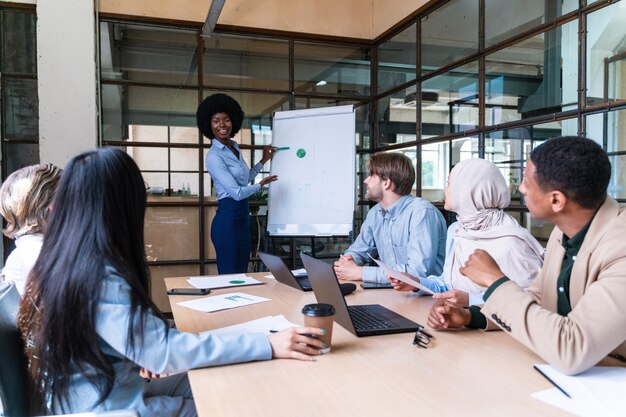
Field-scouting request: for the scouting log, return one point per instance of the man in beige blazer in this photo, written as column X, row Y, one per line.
column 574, row 314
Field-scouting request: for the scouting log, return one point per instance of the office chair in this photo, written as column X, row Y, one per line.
column 13, row 369
column 13, row 388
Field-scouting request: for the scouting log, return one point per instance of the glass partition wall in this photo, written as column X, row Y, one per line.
column 152, row 79
column 495, row 78
column 461, row 79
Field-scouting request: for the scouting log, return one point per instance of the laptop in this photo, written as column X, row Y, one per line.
column 283, row 274
column 360, row 320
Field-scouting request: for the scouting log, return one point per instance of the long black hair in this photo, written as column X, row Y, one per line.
column 97, row 219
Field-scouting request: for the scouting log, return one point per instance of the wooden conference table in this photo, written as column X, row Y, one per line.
column 462, row 373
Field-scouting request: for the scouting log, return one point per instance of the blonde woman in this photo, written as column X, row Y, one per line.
column 25, row 199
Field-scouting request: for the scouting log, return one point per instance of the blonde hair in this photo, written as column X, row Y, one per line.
column 25, row 198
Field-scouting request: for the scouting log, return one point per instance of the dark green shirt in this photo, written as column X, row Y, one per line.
column 571, row 246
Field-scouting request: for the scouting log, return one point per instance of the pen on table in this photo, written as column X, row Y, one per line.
column 273, row 331
column 552, row 382
column 284, row 148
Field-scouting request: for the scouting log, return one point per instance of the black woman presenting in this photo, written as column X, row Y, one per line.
column 220, row 117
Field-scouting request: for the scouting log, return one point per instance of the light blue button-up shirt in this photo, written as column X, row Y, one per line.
column 156, row 350
column 409, row 236
column 231, row 175
column 441, row 283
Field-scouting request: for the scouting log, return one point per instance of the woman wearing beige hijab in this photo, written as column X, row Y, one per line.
column 478, row 193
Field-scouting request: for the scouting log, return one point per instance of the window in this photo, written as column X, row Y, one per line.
column 147, row 53
column 396, row 59
column 607, row 129
column 19, row 102
column 437, row 161
column 18, row 83
column 505, row 19
column 536, row 76
column 449, row 34
column 331, row 69
column 397, row 118
column 449, row 101
column 606, row 54
column 246, row 62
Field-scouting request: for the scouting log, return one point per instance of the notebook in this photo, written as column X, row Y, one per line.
column 361, row 320
column 283, row 274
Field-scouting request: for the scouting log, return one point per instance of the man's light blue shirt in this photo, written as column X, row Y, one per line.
column 231, row 176
column 409, row 236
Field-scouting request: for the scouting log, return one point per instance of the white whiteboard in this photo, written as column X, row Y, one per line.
column 315, row 194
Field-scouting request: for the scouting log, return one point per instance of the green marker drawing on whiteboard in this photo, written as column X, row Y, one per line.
column 300, row 153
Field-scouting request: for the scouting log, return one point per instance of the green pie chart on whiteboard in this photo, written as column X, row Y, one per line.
column 300, row 153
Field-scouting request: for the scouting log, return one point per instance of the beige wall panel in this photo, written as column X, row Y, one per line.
column 171, row 233
column 190, row 10
column 350, row 18
column 157, row 276
column 364, row 19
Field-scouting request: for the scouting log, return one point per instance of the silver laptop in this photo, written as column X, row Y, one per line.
column 361, row 320
column 283, row 274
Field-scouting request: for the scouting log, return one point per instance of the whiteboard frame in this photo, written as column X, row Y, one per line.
column 343, row 228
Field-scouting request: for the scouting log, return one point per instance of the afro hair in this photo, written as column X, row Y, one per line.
column 218, row 103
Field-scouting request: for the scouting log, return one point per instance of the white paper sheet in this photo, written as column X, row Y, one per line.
column 266, row 325
column 223, row 281
column 597, row 391
column 222, row 302
column 400, row 276
column 555, row 398
column 299, row 272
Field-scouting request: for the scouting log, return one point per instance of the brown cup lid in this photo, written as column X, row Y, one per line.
column 318, row 310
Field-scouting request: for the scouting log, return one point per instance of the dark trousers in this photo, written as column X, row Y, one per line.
column 230, row 234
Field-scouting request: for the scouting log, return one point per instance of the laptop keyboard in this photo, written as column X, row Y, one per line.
column 365, row 320
column 304, row 282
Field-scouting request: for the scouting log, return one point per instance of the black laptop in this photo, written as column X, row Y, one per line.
column 283, row 274
column 361, row 320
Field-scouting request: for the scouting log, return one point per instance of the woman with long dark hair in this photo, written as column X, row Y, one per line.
column 220, row 117
column 87, row 319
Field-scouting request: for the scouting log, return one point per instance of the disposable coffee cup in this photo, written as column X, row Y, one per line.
column 322, row 316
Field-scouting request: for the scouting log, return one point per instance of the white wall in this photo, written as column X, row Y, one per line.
column 66, row 66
